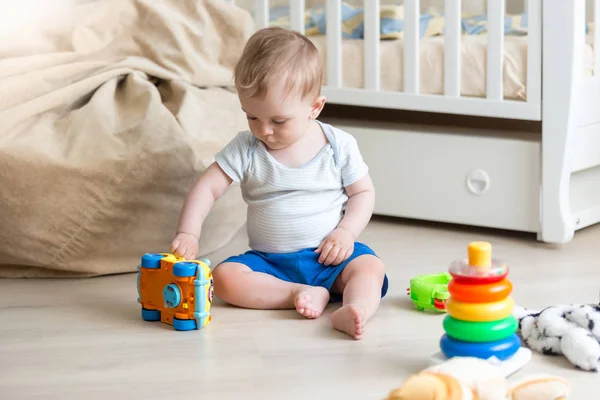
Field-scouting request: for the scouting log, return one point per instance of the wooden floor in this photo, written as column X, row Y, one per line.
column 84, row 339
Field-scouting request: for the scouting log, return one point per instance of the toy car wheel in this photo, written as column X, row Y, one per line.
column 150, row 315
column 185, row 269
column 184, row 324
column 151, row 260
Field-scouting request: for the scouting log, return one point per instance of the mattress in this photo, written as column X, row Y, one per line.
column 431, row 71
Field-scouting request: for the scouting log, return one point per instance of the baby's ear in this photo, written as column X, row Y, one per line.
column 317, row 106
column 540, row 387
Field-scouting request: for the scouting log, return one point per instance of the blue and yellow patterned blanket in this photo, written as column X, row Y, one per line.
column 392, row 22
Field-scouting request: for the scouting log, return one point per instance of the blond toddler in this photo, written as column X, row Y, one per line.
column 308, row 192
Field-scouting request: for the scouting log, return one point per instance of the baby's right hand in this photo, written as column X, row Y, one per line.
column 185, row 245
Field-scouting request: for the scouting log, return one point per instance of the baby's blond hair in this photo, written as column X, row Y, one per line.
column 278, row 53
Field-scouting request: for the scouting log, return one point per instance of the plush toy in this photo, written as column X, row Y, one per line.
column 572, row 330
column 469, row 378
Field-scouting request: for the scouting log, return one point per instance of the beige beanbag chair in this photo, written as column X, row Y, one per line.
column 109, row 112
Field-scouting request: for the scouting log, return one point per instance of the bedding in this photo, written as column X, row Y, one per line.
column 391, row 22
column 109, row 112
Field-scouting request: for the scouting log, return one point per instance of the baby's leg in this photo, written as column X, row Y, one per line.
column 238, row 285
column 360, row 282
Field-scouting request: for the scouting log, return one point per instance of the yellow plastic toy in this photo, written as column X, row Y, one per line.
column 480, row 312
column 175, row 291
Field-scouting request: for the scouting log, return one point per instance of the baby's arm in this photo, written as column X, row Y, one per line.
column 359, row 209
column 339, row 245
column 211, row 185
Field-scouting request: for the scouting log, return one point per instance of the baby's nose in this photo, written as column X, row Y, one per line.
column 266, row 129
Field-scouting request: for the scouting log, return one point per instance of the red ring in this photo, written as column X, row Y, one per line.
column 477, row 280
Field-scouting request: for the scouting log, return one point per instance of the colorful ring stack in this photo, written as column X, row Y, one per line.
column 480, row 321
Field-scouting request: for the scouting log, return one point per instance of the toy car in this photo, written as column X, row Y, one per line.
column 175, row 291
column 430, row 291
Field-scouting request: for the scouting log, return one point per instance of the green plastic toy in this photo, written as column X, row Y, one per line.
column 430, row 291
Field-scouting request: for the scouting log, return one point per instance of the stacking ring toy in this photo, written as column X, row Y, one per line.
column 480, row 312
column 480, row 331
column 501, row 349
column 487, row 293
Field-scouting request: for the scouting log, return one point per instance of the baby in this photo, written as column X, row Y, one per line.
column 308, row 193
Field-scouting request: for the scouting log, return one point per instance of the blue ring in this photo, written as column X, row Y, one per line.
column 502, row 349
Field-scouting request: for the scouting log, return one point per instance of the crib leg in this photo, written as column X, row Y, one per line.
column 556, row 221
column 562, row 54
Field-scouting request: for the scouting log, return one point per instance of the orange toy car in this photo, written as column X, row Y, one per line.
column 175, row 291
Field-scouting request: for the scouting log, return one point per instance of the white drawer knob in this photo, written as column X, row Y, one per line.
column 478, row 182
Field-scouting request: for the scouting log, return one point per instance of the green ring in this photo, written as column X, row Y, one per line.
column 480, row 331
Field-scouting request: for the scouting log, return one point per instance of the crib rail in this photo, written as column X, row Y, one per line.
column 597, row 38
column 334, row 43
column 411, row 47
column 534, row 51
column 452, row 63
column 372, row 60
column 410, row 96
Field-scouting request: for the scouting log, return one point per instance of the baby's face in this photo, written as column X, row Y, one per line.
column 279, row 120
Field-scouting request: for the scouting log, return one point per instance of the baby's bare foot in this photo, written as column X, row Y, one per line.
column 310, row 301
column 349, row 319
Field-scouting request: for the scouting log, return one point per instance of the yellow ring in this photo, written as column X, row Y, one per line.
column 480, row 312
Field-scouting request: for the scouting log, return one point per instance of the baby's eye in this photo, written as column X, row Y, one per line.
column 251, row 118
column 280, row 122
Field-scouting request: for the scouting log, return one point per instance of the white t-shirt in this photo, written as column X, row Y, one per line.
column 290, row 209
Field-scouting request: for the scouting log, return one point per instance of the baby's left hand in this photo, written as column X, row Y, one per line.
column 336, row 248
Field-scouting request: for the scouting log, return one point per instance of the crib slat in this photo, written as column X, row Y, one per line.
column 534, row 52
column 371, row 43
column 597, row 38
column 261, row 13
column 495, row 50
column 452, row 50
column 297, row 15
column 411, row 46
column 334, row 43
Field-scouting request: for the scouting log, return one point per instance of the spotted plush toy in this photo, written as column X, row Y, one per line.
column 572, row 330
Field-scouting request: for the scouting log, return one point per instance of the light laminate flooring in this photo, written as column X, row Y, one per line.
column 84, row 339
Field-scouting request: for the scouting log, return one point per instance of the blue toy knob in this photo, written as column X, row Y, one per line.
column 151, row 260
column 172, row 295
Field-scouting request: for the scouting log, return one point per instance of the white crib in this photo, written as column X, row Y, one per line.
column 546, row 182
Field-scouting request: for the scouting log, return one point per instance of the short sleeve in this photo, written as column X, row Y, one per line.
column 352, row 163
column 233, row 158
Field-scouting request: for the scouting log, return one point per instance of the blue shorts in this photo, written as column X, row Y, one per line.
column 302, row 267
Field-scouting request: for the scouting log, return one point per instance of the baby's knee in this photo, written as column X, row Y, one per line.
column 378, row 268
column 224, row 276
column 373, row 265
column 367, row 265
